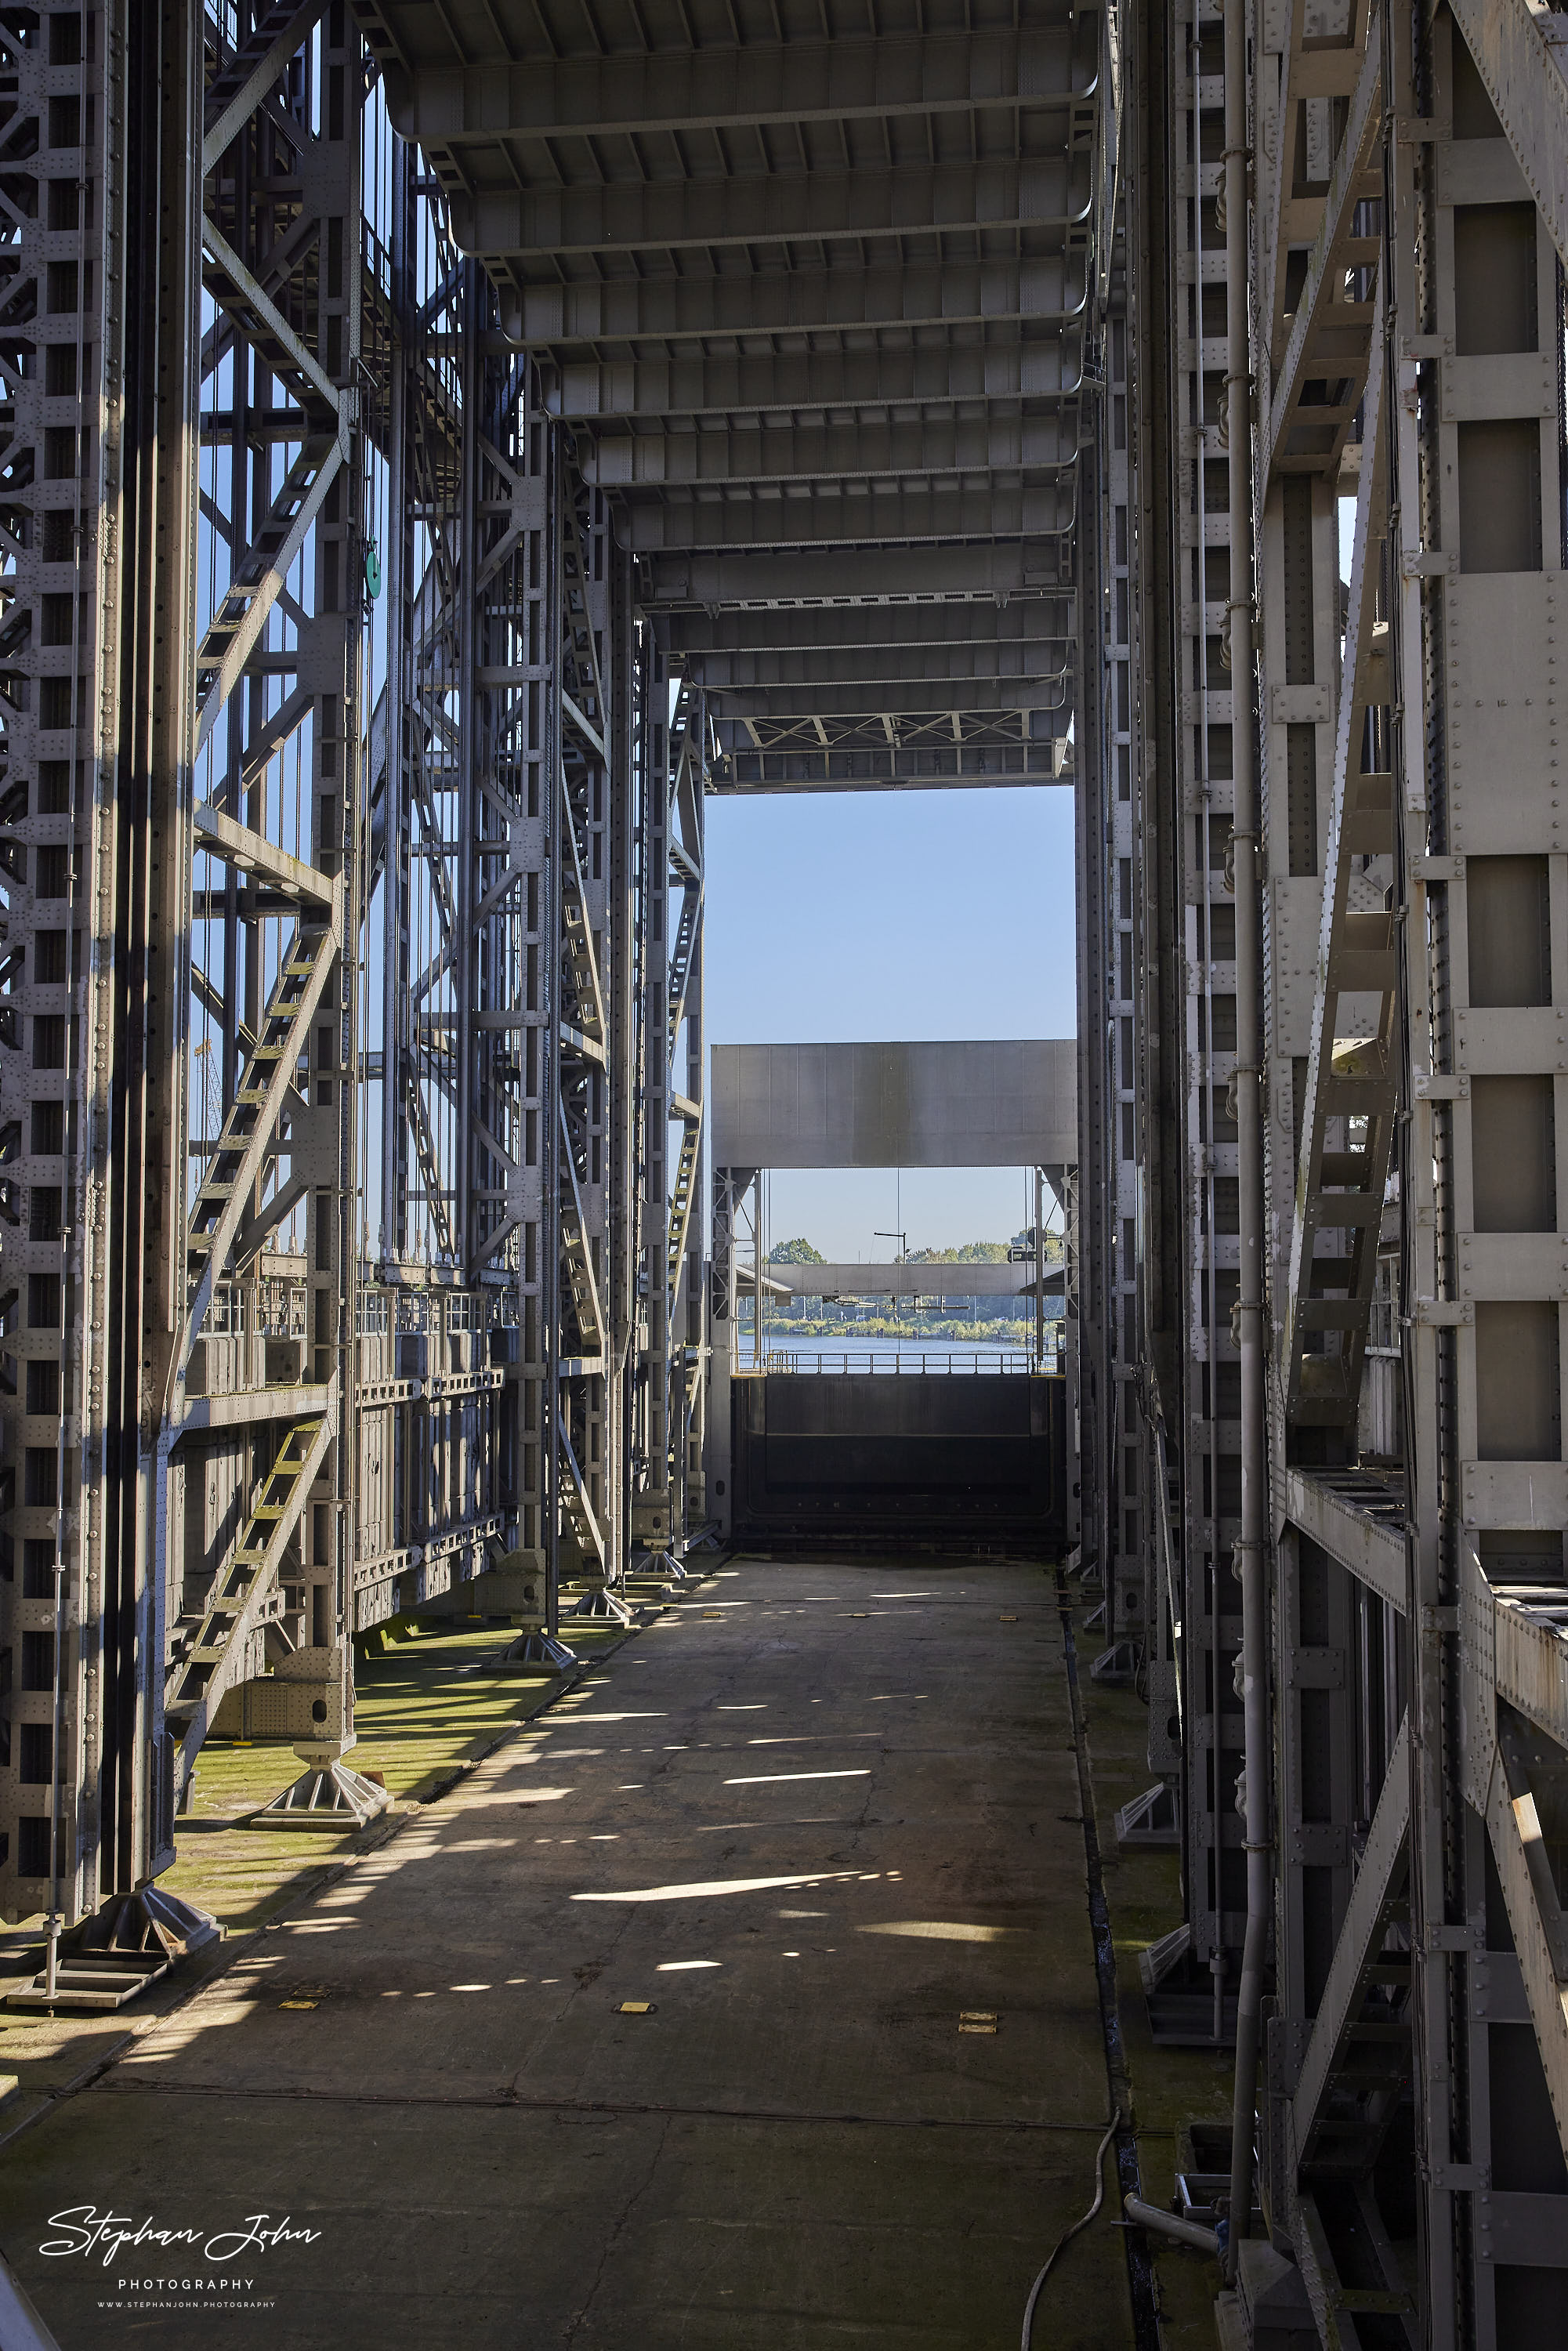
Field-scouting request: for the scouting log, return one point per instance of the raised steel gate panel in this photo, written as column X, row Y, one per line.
column 915, row 1456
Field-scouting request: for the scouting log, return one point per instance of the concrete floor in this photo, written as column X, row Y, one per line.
column 813, row 1815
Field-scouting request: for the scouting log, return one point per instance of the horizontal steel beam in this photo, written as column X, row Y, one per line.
column 921, row 697
column 794, row 301
column 994, row 571
column 687, row 455
column 540, row 97
column 1009, row 364
column 835, row 628
column 249, row 1407
column 727, row 787
column 900, row 1279
column 761, row 208
column 938, row 665
column 984, row 759
column 844, row 517
column 1356, row 1520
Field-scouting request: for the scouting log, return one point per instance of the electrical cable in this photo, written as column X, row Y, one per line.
column 1066, row 2238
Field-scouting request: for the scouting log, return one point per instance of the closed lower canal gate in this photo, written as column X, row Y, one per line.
column 925, row 1457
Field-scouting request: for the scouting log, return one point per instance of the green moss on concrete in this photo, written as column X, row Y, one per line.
column 421, row 1711
column 431, row 1705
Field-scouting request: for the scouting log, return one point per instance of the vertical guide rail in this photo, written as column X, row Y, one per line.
column 95, row 786
column 652, row 1523
column 1096, row 1424
column 1211, row 1490
column 1439, row 2002
column 135, row 1125
column 1128, row 916
column 689, row 1352
column 1251, row 1547
column 625, row 744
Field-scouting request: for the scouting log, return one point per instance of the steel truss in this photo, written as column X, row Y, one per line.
column 352, row 976
column 1403, row 246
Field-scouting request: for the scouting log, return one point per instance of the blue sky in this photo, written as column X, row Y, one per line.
column 848, row 917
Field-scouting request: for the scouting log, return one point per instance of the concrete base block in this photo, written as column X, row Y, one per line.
column 1273, row 2297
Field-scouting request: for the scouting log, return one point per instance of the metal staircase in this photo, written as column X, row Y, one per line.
column 272, row 1046
column 680, row 956
column 576, row 1512
column 1352, row 1094
column 681, row 1202
column 208, row 1648
column 257, row 570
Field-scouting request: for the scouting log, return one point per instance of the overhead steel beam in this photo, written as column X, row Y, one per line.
column 685, row 455
column 902, row 1277
column 798, row 301
column 929, row 695
column 833, row 628
column 993, row 570
column 758, row 208
column 984, row 758
column 1022, row 360
column 937, row 666
column 846, row 517
column 542, row 98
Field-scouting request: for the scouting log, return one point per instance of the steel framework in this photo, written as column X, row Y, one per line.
column 353, row 975
column 401, row 545
column 1330, row 1526
column 444, row 445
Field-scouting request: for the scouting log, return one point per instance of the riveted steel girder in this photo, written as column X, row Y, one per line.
column 685, row 454
column 922, row 698
column 793, row 302
column 1002, row 366
column 935, row 666
column 857, row 757
column 664, row 224
column 755, row 208
column 851, row 517
column 835, row 628
column 993, row 571
column 413, row 32
column 541, row 98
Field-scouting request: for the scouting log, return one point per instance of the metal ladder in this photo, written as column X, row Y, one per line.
column 202, row 1642
column 277, row 1021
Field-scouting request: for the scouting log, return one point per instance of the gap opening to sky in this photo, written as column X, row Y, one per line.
column 850, row 918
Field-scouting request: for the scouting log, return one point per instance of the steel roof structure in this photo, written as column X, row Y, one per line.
column 814, row 293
